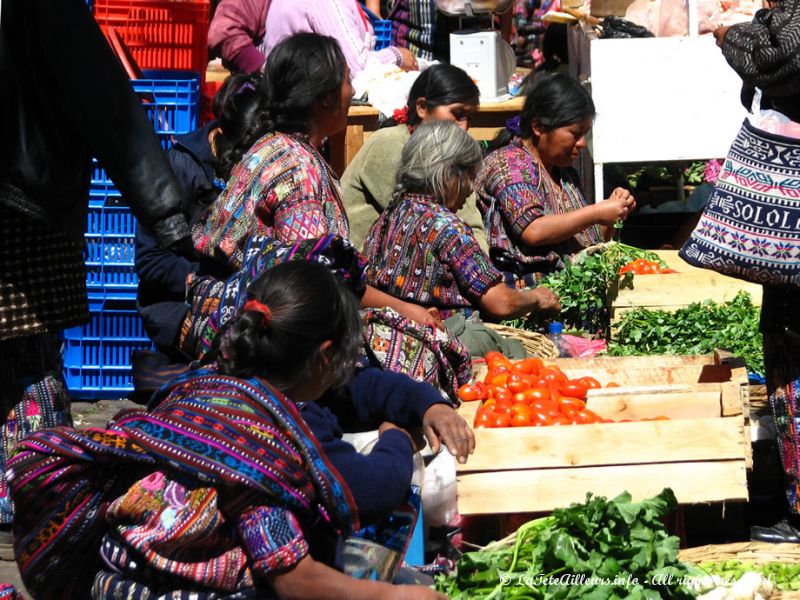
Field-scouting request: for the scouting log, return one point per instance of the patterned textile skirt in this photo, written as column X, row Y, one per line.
column 782, row 362
column 33, row 396
column 42, row 276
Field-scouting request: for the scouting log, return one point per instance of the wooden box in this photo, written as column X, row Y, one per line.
column 678, row 290
column 702, row 452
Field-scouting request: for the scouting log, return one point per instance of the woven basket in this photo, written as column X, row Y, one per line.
column 536, row 344
column 755, row 552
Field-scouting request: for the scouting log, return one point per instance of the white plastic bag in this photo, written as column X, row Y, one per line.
column 772, row 121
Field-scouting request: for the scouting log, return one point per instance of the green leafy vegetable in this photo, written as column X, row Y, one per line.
column 785, row 576
column 696, row 329
column 584, row 286
column 601, row 549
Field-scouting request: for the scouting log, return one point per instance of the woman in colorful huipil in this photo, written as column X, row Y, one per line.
column 421, row 251
column 221, row 490
column 528, row 192
column 280, row 186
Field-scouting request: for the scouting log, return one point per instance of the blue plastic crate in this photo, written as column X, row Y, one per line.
column 383, row 33
column 110, row 246
column 172, row 102
column 97, row 356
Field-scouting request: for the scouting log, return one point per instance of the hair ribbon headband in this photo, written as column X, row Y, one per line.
column 256, row 306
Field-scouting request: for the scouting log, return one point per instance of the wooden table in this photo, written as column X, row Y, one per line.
column 363, row 120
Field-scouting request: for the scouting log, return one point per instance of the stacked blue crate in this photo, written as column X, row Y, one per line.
column 382, row 28
column 97, row 356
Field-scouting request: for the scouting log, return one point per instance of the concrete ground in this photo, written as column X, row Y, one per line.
column 85, row 414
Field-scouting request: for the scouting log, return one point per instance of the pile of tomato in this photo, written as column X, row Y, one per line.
column 641, row 266
column 530, row 393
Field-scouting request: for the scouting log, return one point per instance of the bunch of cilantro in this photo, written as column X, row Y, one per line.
column 601, row 549
column 699, row 328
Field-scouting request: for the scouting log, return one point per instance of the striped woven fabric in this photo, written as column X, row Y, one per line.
column 750, row 228
column 217, row 431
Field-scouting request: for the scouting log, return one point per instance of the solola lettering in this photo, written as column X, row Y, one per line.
column 756, row 215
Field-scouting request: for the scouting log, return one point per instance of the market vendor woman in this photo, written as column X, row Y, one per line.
column 528, row 192
column 420, row 250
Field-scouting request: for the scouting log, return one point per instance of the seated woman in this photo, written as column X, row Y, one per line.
column 441, row 92
column 420, row 250
column 528, row 192
column 195, row 158
column 280, row 186
column 221, row 490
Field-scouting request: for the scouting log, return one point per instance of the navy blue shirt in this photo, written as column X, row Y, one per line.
column 379, row 481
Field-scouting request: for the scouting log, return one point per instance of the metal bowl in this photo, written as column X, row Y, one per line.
column 460, row 8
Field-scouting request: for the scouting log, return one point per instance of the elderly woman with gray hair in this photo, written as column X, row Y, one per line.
column 419, row 250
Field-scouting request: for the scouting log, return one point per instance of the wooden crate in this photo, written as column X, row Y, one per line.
column 702, row 452
column 677, row 290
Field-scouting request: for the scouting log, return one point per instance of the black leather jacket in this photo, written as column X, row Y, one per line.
column 63, row 98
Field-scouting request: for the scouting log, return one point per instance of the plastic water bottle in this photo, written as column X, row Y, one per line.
column 554, row 331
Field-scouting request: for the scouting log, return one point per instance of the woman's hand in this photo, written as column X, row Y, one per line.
column 408, row 62
column 417, row 313
column 414, row 435
column 719, row 34
column 546, row 299
column 442, row 424
column 616, row 208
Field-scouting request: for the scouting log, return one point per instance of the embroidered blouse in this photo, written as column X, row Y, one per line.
column 512, row 193
column 420, row 251
column 282, row 189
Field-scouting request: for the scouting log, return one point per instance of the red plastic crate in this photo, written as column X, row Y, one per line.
column 160, row 34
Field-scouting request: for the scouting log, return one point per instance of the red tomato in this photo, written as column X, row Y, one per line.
column 569, row 406
column 552, row 377
column 539, row 418
column 503, row 409
column 612, row 384
column 591, row 383
column 499, row 380
column 541, row 394
column 502, row 393
column 529, row 366
column 661, row 418
column 520, row 420
column 501, row 420
column 483, row 418
column 560, row 420
column 473, row 391
column 494, row 356
column 575, row 388
column 591, row 416
column 516, row 383
column 520, row 414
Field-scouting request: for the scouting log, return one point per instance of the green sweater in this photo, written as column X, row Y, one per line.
column 369, row 181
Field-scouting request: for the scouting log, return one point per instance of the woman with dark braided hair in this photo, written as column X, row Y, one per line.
column 529, row 193
column 221, row 490
column 280, row 185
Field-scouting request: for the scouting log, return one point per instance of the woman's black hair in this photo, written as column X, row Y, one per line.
column 301, row 70
column 440, row 85
column 235, row 105
column 308, row 305
column 552, row 100
column 555, row 100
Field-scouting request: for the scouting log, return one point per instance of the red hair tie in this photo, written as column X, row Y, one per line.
column 400, row 115
column 256, row 306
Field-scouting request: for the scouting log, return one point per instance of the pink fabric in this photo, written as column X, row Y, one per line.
column 236, row 32
column 339, row 19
